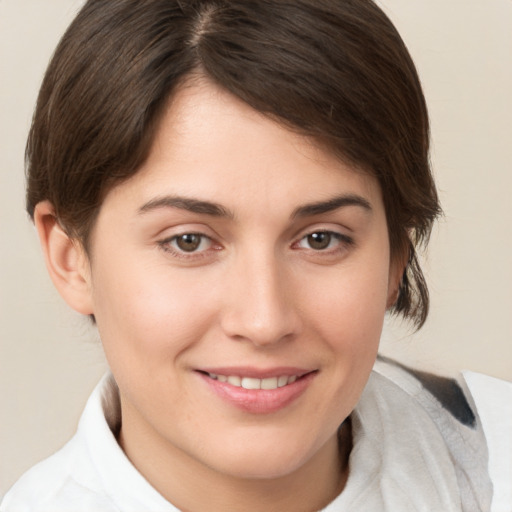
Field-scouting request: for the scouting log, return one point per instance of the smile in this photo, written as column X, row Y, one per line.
column 254, row 383
column 258, row 391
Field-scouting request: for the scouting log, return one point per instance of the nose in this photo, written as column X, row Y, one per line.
column 259, row 305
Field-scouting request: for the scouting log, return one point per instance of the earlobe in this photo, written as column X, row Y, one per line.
column 65, row 258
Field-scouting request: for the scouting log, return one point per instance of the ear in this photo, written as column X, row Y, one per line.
column 397, row 268
column 65, row 258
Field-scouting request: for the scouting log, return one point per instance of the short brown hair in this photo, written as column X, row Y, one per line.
column 336, row 70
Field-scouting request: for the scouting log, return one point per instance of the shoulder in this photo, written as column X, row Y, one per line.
column 447, row 393
column 54, row 483
column 69, row 476
column 493, row 401
column 475, row 399
column 474, row 416
column 91, row 472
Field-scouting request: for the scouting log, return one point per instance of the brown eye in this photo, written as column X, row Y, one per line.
column 319, row 241
column 188, row 242
column 189, row 245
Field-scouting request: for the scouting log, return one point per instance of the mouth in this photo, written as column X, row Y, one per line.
column 256, row 391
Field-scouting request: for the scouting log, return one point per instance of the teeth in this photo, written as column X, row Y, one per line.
column 270, row 383
column 235, row 381
column 249, row 383
column 282, row 381
column 252, row 383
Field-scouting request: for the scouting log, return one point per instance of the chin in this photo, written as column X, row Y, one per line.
column 261, row 459
column 262, row 467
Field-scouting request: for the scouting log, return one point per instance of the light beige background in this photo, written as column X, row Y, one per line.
column 50, row 359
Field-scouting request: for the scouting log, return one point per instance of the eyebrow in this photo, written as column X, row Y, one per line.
column 188, row 204
column 217, row 210
column 332, row 204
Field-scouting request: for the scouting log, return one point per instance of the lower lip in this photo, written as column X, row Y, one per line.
column 259, row 401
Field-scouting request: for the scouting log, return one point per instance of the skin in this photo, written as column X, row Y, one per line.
column 256, row 292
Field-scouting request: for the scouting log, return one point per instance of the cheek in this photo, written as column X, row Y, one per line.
column 351, row 305
column 348, row 313
column 146, row 315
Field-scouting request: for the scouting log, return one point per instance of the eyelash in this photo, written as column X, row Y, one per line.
column 343, row 240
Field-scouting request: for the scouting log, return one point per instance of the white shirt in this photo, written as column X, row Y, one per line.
column 402, row 460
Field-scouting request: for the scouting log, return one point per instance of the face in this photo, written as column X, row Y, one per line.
column 239, row 282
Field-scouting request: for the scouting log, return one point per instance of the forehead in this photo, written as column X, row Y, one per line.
column 210, row 145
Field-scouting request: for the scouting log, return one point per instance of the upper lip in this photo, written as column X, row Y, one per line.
column 256, row 373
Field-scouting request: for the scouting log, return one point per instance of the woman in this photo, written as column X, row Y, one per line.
column 234, row 193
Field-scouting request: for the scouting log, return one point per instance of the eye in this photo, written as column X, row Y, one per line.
column 323, row 240
column 187, row 243
column 318, row 241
